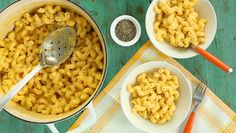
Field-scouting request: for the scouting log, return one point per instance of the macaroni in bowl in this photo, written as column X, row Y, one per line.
column 178, row 23
column 57, row 89
column 154, row 95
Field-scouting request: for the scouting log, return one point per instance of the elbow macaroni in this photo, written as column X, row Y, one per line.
column 154, row 95
column 61, row 88
column 178, row 23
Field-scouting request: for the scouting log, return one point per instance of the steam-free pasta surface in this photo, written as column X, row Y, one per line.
column 153, row 96
column 57, row 89
column 178, row 23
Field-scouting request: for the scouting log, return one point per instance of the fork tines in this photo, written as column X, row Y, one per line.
column 200, row 90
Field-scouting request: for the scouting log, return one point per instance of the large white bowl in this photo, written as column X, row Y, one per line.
column 204, row 9
column 183, row 104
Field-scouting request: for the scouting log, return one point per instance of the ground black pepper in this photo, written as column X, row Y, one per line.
column 125, row 30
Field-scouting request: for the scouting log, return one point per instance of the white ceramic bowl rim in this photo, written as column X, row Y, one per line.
column 155, row 65
column 136, row 24
column 202, row 7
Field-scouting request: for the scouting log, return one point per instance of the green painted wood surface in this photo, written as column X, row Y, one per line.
column 105, row 11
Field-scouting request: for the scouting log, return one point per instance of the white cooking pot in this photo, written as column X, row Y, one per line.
column 7, row 18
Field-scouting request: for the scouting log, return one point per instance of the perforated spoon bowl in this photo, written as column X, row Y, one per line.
column 56, row 48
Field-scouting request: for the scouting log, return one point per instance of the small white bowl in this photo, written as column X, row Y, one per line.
column 204, row 9
column 136, row 24
column 183, row 104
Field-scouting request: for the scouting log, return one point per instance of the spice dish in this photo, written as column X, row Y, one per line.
column 125, row 30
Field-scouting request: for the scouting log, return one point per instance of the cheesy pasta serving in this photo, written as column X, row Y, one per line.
column 57, row 89
column 154, row 95
column 178, row 23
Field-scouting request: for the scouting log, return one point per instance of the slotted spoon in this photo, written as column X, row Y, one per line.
column 56, row 48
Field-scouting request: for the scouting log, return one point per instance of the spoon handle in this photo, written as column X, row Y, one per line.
column 214, row 60
column 12, row 92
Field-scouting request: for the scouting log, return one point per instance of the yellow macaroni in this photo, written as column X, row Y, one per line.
column 154, row 95
column 178, row 23
column 61, row 88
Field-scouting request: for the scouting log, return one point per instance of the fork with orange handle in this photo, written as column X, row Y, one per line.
column 197, row 98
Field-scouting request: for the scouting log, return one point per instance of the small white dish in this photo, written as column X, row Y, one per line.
column 204, row 9
column 183, row 104
column 136, row 24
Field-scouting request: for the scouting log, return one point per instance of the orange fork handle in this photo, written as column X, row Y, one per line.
column 214, row 60
column 189, row 124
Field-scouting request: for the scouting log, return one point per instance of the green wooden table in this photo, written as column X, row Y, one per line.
column 105, row 11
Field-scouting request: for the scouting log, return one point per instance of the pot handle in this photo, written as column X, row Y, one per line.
column 88, row 122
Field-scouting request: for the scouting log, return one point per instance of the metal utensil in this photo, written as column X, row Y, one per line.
column 213, row 59
column 197, row 98
column 56, row 48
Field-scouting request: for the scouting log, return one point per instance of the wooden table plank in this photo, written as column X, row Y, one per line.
column 105, row 11
column 223, row 46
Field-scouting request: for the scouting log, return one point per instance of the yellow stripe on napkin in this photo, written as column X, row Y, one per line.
column 218, row 115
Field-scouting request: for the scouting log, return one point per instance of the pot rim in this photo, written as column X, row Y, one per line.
column 99, row 87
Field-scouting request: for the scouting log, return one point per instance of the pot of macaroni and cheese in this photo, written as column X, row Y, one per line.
column 58, row 92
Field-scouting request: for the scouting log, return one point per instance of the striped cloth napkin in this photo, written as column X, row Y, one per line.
column 212, row 115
